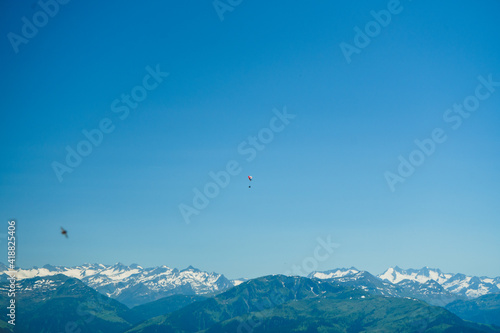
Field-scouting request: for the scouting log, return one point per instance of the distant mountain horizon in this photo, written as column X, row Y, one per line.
column 427, row 284
column 397, row 268
column 135, row 285
column 273, row 303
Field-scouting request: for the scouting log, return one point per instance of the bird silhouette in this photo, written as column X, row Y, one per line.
column 64, row 232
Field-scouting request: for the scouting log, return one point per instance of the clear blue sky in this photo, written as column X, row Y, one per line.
column 322, row 175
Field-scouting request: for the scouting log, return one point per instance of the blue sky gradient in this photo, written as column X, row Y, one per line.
column 322, row 175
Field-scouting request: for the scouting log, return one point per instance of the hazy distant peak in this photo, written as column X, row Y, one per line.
column 190, row 268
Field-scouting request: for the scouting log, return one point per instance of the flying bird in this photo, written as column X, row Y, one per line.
column 64, row 232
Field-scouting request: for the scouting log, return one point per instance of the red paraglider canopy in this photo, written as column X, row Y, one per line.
column 250, row 178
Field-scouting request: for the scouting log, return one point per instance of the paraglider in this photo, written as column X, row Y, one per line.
column 250, row 179
column 64, row 232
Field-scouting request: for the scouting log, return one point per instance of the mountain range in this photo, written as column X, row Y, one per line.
column 429, row 285
column 280, row 303
column 274, row 303
column 458, row 284
column 149, row 299
column 134, row 285
column 60, row 303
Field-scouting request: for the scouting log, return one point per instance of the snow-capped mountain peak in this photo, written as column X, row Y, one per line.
column 134, row 284
column 459, row 284
column 396, row 275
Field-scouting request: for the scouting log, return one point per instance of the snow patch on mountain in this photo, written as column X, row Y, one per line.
column 334, row 273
